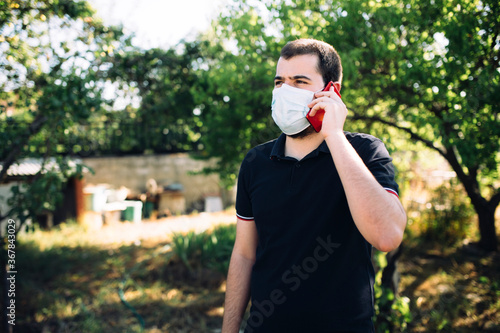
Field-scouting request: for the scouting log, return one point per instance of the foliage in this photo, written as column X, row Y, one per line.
column 209, row 249
column 44, row 192
column 399, row 315
column 162, row 81
column 49, row 65
column 49, row 80
column 429, row 69
column 233, row 94
column 51, row 53
column 447, row 216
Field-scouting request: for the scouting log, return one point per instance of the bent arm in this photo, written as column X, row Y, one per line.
column 238, row 278
column 378, row 214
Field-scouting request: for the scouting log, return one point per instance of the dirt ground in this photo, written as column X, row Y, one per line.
column 160, row 230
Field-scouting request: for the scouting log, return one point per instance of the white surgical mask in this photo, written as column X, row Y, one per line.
column 289, row 108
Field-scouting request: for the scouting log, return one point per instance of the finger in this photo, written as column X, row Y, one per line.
column 316, row 107
column 325, row 99
column 330, row 94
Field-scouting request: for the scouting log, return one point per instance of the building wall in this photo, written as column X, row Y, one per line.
column 5, row 194
column 133, row 172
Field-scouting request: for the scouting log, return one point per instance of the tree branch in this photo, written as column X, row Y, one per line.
column 469, row 181
column 413, row 135
column 495, row 199
column 33, row 128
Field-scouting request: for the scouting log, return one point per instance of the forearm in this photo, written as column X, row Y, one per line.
column 237, row 292
column 379, row 215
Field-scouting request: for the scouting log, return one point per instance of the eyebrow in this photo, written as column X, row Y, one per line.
column 296, row 77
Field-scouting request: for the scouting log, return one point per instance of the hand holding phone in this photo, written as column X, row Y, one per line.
column 317, row 121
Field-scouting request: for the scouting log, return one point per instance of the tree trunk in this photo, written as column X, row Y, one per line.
column 488, row 237
column 485, row 209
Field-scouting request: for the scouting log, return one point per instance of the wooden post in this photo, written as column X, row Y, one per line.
column 79, row 199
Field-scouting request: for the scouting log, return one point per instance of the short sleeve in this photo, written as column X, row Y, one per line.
column 243, row 199
column 379, row 162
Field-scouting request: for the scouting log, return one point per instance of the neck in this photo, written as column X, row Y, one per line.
column 299, row 148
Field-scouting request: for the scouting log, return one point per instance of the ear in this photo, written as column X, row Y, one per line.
column 337, row 85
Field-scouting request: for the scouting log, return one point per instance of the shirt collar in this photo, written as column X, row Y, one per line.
column 278, row 150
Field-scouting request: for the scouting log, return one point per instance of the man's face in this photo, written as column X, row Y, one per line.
column 300, row 72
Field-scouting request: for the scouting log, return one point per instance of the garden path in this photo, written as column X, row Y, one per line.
column 162, row 229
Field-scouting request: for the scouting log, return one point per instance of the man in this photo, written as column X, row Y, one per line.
column 310, row 206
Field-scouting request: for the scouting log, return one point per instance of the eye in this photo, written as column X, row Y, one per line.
column 278, row 83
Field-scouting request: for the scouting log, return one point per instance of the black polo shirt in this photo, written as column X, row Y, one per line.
column 313, row 270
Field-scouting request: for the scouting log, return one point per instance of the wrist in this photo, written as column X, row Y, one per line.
column 334, row 135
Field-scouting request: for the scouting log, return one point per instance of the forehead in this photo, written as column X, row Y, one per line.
column 306, row 64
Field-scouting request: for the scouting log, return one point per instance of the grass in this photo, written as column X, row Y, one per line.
column 461, row 294
column 452, row 285
column 69, row 284
column 71, row 281
column 456, row 290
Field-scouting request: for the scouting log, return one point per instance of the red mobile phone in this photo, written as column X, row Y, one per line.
column 317, row 120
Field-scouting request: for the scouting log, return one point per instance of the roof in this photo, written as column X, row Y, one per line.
column 32, row 166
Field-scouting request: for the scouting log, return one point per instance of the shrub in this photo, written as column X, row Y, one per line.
column 392, row 312
column 210, row 249
column 448, row 215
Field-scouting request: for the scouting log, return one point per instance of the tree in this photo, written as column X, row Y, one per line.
column 49, row 71
column 162, row 80
column 429, row 69
column 233, row 90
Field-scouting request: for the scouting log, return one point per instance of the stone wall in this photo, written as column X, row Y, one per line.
column 133, row 172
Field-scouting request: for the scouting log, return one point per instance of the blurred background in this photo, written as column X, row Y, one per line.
column 123, row 124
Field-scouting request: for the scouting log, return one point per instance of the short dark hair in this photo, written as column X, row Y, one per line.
column 329, row 64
